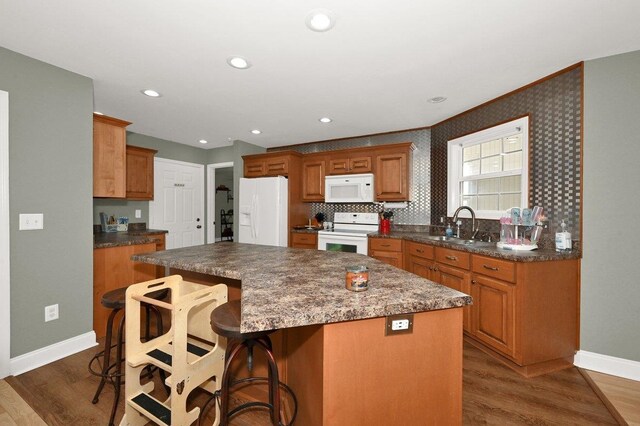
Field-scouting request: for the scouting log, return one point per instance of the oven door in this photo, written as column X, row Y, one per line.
column 344, row 243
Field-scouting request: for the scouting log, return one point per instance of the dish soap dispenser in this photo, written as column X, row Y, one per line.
column 563, row 238
column 449, row 231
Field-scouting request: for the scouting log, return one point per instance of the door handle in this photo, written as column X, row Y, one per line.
column 199, row 226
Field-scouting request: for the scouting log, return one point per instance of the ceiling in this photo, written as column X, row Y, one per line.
column 372, row 73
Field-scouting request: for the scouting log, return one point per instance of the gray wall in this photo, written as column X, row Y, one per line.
column 610, row 323
column 50, row 172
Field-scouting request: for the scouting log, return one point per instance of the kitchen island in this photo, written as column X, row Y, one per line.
column 332, row 346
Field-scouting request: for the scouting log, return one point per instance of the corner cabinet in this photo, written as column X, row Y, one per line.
column 140, row 173
column 109, row 157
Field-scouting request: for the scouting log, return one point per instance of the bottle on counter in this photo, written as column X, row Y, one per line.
column 563, row 238
column 449, row 231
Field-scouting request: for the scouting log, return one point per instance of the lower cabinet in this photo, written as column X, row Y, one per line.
column 387, row 250
column 526, row 313
column 112, row 269
column 304, row 240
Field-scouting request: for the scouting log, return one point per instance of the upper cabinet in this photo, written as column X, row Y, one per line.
column 350, row 164
column 314, row 169
column 393, row 173
column 109, row 157
column 140, row 173
column 269, row 164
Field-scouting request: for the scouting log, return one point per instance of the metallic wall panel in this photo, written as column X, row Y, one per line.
column 554, row 107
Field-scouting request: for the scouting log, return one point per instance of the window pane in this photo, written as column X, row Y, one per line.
column 491, row 165
column 488, row 202
column 468, row 187
column 510, row 184
column 491, row 148
column 489, row 186
column 471, row 168
column 471, row 153
column 513, row 161
column 471, row 201
column 509, row 200
column 512, row 143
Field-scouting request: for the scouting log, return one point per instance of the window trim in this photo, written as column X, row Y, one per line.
column 454, row 164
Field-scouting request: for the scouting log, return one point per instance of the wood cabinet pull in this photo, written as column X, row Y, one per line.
column 385, row 245
column 451, row 257
column 435, row 269
column 491, row 268
column 420, row 250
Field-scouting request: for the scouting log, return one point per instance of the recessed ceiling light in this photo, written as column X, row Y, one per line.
column 320, row 20
column 256, row 131
column 151, row 93
column 437, row 99
column 98, row 113
column 202, row 141
column 325, row 120
column 238, row 62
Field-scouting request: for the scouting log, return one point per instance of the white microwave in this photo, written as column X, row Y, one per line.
column 349, row 188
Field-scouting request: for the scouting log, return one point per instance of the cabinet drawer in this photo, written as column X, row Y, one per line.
column 453, row 257
column 496, row 268
column 386, row 244
column 304, row 239
column 419, row 250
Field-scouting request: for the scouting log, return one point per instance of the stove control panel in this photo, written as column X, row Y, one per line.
column 356, row 218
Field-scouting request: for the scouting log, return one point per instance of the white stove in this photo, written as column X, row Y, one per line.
column 349, row 232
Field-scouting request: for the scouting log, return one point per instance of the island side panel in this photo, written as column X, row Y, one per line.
column 364, row 377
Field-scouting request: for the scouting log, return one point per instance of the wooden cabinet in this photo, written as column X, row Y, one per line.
column 313, row 173
column 109, row 157
column 304, row 240
column 387, row 250
column 350, row 164
column 160, row 241
column 494, row 308
column 393, row 176
column 113, row 268
column 269, row 164
column 140, row 173
column 419, row 259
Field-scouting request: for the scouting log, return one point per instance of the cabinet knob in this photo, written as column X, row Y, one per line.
column 435, row 269
column 474, row 282
column 420, row 251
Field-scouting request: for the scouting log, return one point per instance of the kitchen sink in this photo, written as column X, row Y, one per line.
column 455, row 240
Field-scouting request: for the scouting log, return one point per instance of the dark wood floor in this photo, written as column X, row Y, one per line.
column 61, row 394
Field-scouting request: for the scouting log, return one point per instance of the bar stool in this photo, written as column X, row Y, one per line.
column 115, row 300
column 225, row 321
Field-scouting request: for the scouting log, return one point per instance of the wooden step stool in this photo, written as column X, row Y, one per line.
column 190, row 351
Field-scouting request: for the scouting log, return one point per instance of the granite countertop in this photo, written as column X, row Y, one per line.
column 286, row 287
column 539, row 255
column 118, row 239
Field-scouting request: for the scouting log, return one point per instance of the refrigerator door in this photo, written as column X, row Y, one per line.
column 263, row 211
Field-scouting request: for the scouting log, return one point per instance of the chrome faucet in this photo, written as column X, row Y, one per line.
column 473, row 221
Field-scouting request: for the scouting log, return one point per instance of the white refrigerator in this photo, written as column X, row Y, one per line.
column 263, row 208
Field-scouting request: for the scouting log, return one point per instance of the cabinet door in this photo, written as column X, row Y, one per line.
column 420, row 266
column 339, row 166
column 109, row 157
column 393, row 258
column 391, row 177
column 313, row 173
column 493, row 310
column 254, row 168
column 278, row 166
column 140, row 173
column 360, row 165
column 460, row 280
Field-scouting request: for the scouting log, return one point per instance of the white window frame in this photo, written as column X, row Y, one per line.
column 454, row 160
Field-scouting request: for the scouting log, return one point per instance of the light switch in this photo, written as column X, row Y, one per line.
column 138, row 213
column 31, row 221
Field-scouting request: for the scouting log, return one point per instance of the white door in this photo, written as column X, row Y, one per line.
column 178, row 204
column 5, row 317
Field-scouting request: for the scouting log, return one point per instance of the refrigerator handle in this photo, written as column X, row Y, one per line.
column 254, row 216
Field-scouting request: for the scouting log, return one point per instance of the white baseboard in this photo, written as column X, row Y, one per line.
column 38, row 358
column 608, row 365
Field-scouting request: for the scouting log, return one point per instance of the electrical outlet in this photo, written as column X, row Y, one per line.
column 399, row 324
column 51, row 313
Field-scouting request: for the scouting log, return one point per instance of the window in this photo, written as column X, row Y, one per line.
column 488, row 170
